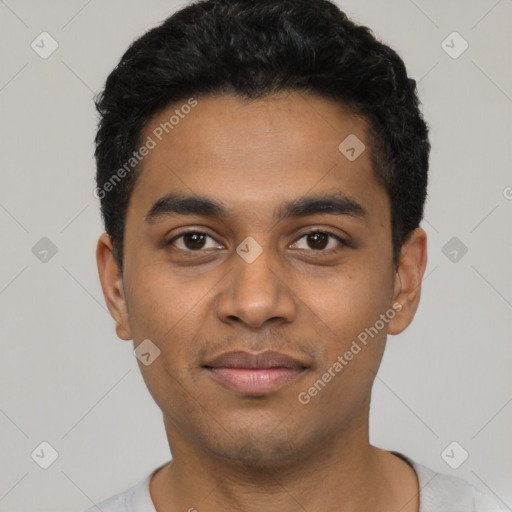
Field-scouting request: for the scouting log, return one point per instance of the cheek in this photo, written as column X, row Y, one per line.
column 159, row 303
column 354, row 300
column 353, row 336
column 171, row 316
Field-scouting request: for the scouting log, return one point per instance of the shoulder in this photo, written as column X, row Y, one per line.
column 440, row 492
column 135, row 499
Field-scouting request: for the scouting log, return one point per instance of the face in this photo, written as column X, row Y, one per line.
column 258, row 261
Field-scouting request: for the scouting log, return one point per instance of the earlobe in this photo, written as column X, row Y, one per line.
column 112, row 286
column 408, row 278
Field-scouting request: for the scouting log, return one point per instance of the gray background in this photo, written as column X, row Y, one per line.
column 68, row 380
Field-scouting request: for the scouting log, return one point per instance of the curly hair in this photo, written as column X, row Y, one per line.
column 253, row 49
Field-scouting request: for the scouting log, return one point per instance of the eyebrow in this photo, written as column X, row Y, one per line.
column 332, row 204
column 179, row 204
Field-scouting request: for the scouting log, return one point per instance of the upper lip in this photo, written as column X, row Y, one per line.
column 250, row 360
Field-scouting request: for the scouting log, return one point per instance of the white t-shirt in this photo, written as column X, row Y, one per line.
column 438, row 493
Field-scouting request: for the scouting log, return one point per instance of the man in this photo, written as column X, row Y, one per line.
column 262, row 171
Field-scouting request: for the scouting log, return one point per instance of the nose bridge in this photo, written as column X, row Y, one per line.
column 255, row 276
column 255, row 293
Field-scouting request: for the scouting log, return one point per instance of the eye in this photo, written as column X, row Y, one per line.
column 193, row 241
column 319, row 241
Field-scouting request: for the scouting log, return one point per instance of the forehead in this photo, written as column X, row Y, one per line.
column 254, row 152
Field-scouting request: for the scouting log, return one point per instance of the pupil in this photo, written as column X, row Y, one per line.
column 194, row 240
column 317, row 240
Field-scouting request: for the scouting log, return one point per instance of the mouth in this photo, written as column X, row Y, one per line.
column 254, row 374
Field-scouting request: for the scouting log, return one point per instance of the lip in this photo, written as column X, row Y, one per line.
column 255, row 373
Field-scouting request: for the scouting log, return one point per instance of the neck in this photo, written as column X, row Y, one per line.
column 346, row 475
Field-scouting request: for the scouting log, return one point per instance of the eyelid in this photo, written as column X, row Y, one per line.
column 339, row 238
column 193, row 231
column 342, row 241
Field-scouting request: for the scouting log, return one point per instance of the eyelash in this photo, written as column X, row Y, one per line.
column 341, row 241
column 330, row 235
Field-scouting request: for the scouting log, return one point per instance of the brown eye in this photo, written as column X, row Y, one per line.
column 318, row 240
column 193, row 241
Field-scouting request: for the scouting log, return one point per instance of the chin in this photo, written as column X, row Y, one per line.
column 257, row 447
column 256, row 455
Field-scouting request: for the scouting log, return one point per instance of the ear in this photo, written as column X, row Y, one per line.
column 408, row 278
column 112, row 285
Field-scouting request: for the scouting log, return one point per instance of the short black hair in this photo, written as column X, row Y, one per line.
column 254, row 49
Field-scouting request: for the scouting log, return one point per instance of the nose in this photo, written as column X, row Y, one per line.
column 256, row 293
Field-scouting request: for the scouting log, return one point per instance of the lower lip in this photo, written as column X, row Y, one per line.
column 255, row 381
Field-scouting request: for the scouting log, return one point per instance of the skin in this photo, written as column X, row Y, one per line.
column 269, row 453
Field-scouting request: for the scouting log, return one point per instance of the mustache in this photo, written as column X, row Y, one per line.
column 206, row 348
